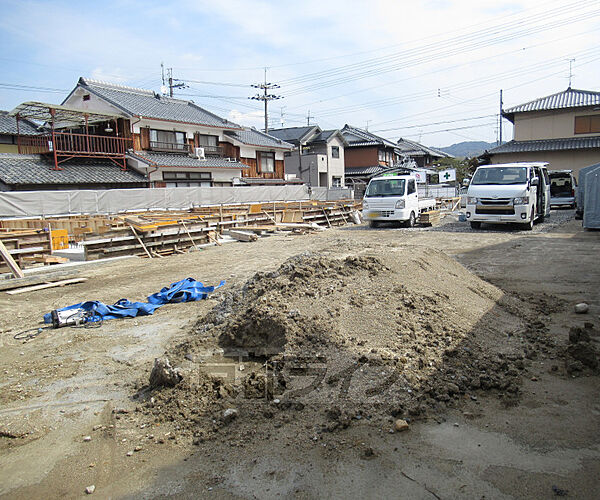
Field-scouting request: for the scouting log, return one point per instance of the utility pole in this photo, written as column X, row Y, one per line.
column 281, row 110
column 169, row 80
column 308, row 117
column 571, row 61
column 367, row 125
column 266, row 97
column 500, row 121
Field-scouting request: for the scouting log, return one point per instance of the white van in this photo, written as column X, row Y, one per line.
column 508, row 193
column 394, row 198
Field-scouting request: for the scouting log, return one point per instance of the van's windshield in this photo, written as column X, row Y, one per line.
column 500, row 175
column 386, row 187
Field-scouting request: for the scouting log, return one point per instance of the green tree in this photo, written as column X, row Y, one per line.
column 464, row 167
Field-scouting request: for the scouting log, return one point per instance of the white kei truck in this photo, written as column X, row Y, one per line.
column 509, row 193
column 394, row 198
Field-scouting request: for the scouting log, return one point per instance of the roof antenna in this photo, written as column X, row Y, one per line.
column 571, row 61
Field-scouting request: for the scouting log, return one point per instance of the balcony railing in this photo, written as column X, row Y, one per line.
column 170, row 147
column 67, row 143
column 213, row 150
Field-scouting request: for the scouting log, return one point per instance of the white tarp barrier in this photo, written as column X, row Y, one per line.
column 580, row 193
column 591, row 207
column 36, row 203
column 326, row 194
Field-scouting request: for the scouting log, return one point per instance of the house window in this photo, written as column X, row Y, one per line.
column 587, row 124
column 335, row 151
column 336, row 182
column 381, row 155
column 86, row 97
column 166, row 140
column 187, row 179
column 267, row 162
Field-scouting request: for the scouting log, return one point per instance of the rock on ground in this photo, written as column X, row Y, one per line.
column 163, row 374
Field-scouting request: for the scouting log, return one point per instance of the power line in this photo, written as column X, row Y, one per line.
column 428, row 53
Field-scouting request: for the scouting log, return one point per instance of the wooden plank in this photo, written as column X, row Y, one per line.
column 14, row 267
column 141, row 242
column 46, row 285
column 241, row 235
column 189, row 235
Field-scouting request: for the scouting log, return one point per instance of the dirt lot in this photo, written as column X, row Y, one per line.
column 295, row 372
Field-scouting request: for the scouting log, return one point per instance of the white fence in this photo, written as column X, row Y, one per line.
column 325, row 194
column 42, row 203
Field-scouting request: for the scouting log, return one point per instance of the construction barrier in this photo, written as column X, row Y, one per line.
column 43, row 203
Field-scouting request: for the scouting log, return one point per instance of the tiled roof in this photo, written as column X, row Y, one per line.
column 548, row 145
column 253, row 137
column 182, row 160
column 146, row 103
column 293, row 135
column 359, row 137
column 34, row 169
column 8, row 125
column 570, row 98
column 324, row 136
column 412, row 148
column 364, row 170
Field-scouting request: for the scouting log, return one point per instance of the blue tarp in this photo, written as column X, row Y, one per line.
column 187, row 290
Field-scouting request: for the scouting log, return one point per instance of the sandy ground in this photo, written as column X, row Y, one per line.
column 66, row 384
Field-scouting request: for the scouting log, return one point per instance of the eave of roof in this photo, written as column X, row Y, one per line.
column 573, row 143
column 184, row 161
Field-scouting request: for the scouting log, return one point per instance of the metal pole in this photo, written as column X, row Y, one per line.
column 52, row 112
column 18, row 135
column 500, row 120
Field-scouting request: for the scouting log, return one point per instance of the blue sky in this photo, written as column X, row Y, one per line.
column 429, row 71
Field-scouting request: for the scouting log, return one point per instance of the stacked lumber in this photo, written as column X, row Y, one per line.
column 24, row 244
column 430, row 218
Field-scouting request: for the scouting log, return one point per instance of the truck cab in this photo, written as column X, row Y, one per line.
column 509, row 193
column 394, row 198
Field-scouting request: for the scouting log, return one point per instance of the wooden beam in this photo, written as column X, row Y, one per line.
column 7, row 284
column 140, row 241
column 46, row 285
column 14, row 267
column 241, row 235
column 189, row 235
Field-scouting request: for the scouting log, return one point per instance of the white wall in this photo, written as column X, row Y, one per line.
column 94, row 103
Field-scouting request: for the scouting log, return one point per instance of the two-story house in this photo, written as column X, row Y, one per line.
column 318, row 156
column 175, row 142
column 367, row 154
column 423, row 156
column 562, row 129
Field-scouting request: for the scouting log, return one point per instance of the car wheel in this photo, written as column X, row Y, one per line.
column 528, row 226
column 475, row 225
column 411, row 220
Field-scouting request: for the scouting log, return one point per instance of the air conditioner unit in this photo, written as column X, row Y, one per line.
column 199, row 153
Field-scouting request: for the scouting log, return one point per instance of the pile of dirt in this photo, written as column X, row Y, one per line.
column 403, row 333
column 581, row 356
